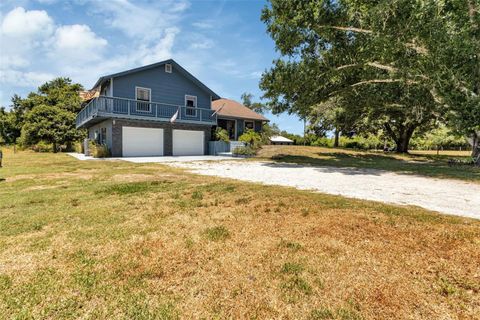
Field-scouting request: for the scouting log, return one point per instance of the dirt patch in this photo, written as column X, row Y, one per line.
column 21, row 177
column 133, row 177
column 35, row 188
column 84, row 175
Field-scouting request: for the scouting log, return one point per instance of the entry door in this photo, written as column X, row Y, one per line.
column 188, row 142
column 230, row 126
column 142, row 142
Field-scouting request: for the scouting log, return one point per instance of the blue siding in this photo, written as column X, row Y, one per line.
column 169, row 88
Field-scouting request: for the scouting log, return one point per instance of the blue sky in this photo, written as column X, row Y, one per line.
column 223, row 43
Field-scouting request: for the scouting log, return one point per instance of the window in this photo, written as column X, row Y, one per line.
column 168, row 68
column 100, row 137
column 249, row 125
column 103, row 136
column 191, row 105
column 143, row 94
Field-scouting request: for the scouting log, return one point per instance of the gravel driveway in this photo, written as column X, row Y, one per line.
column 446, row 196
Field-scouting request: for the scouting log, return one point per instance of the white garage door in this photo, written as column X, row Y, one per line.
column 188, row 143
column 142, row 142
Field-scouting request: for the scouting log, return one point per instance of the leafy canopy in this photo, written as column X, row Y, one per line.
column 47, row 115
column 387, row 64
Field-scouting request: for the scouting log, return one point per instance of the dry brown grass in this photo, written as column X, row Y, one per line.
column 424, row 163
column 123, row 245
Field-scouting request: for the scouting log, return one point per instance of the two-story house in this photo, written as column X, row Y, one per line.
column 160, row 109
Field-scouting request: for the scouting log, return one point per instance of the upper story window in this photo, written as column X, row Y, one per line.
column 191, row 104
column 144, row 95
column 168, row 68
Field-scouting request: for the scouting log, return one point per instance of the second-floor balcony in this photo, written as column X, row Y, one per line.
column 103, row 107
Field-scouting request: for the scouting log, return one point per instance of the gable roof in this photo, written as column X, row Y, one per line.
column 158, row 64
column 234, row 109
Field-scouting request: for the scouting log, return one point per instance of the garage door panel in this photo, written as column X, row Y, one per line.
column 142, row 142
column 188, row 142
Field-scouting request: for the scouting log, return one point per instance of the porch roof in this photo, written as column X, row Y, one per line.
column 233, row 109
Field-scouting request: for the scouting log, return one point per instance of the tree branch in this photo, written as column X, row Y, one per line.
column 383, row 81
column 389, row 130
column 371, row 64
column 352, row 29
column 381, row 66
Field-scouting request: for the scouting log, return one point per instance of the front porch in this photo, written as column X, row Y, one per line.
column 222, row 148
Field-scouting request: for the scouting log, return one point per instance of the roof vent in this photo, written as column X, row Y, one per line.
column 168, row 68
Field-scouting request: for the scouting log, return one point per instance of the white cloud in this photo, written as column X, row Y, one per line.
column 204, row 24
column 256, row 74
column 21, row 32
column 162, row 49
column 24, row 79
column 199, row 41
column 77, row 42
column 77, row 36
column 140, row 22
column 21, row 24
column 35, row 50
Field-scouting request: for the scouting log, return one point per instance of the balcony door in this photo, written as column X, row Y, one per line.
column 191, row 105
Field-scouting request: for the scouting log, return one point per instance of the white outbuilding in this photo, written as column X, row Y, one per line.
column 279, row 140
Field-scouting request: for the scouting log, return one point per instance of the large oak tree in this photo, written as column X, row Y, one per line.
column 386, row 61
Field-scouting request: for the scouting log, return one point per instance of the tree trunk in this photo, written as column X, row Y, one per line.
column 337, row 136
column 402, row 139
column 54, row 147
column 476, row 148
column 402, row 143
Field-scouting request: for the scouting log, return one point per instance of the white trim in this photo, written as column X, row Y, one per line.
column 166, row 67
column 245, row 125
column 149, row 93
column 111, row 87
column 149, row 99
column 194, row 98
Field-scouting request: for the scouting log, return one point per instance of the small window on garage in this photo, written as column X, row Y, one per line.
column 103, row 136
column 168, row 68
column 249, row 125
column 143, row 95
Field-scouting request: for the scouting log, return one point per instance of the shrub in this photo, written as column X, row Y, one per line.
column 323, row 142
column 221, row 135
column 252, row 138
column 244, row 151
column 79, row 147
column 42, row 146
column 98, row 150
column 101, row 151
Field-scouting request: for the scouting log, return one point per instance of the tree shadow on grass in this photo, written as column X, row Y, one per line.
column 429, row 166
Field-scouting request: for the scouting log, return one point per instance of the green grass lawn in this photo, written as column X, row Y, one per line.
column 117, row 240
column 425, row 163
